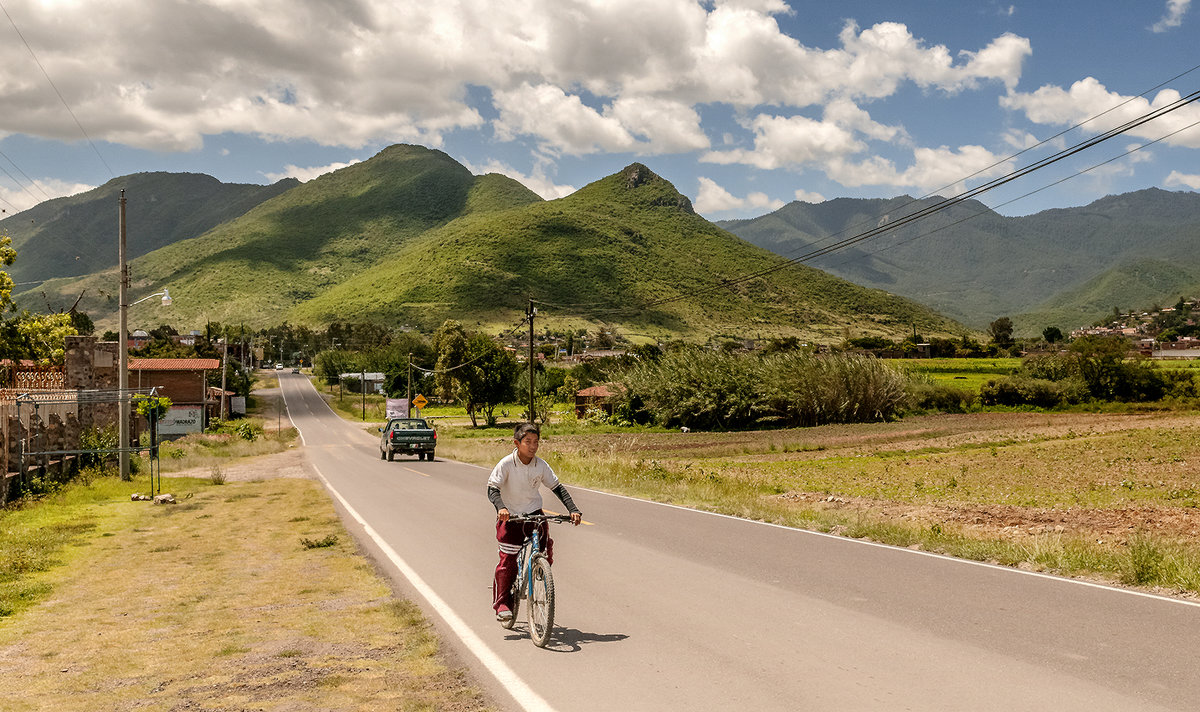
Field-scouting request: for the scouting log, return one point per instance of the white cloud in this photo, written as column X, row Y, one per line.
column 668, row 126
column 712, row 198
column 14, row 199
column 1184, row 180
column 807, row 196
column 791, row 141
column 562, row 121
column 579, row 77
column 306, row 174
column 1088, row 97
column 1176, row 9
column 537, row 181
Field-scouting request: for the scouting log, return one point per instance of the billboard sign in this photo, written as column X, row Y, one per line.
column 181, row 420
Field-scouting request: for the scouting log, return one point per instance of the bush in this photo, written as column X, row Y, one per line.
column 244, row 429
column 707, row 390
column 1020, row 390
column 941, row 397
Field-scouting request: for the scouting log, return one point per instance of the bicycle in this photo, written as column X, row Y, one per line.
column 534, row 581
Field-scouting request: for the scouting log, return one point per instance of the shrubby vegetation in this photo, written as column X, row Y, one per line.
column 707, row 390
column 1092, row 368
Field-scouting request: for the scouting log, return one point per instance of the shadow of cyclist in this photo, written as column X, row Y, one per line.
column 569, row 640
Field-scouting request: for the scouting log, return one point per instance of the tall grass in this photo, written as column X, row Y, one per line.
column 709, row 390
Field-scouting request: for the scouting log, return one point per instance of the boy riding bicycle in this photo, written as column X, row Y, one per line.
column 513, row 490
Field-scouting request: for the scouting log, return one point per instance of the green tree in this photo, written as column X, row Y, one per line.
column 450, row 348
column 1052, row 334
column 488, row 380
column 1001, row 331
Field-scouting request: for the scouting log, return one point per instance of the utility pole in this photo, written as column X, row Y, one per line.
column 362, row 386
column 409, row 406
column 531, row 313
column 123, row 366
column 224, row 369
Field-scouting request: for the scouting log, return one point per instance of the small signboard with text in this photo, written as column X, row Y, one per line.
column 397, row 407
column 181, row 420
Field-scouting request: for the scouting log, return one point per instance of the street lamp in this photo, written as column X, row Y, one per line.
column 124, row 366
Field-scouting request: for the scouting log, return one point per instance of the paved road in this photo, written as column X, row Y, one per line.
column 662, row 608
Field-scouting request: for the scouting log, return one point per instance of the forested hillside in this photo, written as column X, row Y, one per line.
column 974, row 265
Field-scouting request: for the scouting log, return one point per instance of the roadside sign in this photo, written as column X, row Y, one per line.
column 396, row 407
column 419, row 401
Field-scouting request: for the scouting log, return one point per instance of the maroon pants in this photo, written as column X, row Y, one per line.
column 509, row 537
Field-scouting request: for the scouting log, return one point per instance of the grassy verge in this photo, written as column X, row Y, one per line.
column 989, row 487
column 245, row 595
column 215, row 449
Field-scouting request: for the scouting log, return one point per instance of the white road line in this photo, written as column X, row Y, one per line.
column 506, row 676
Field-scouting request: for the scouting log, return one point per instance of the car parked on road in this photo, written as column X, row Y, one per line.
column 407, row 436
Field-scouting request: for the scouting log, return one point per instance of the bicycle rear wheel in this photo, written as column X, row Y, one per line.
column 541, row 602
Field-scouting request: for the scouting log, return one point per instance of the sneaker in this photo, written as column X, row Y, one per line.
column 504, row 615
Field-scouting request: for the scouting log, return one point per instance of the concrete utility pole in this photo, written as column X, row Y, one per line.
column 224, row 368
column 123, row 365
column 531, row 313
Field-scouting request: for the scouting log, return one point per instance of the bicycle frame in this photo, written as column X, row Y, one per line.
column 530, row 547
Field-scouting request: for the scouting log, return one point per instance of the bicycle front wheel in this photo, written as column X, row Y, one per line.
column 541, row 603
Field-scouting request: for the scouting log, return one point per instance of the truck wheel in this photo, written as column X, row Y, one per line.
column 381, row 453
column 429, row 456
column 390, row 455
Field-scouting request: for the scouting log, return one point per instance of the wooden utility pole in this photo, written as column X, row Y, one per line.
column 410, row 384
column 531, row 313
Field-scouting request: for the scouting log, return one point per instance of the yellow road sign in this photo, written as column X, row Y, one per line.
column 420, row 401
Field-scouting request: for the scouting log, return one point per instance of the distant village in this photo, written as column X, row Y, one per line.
column 1161, row 332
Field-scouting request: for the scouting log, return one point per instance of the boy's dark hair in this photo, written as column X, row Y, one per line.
column 524, row 429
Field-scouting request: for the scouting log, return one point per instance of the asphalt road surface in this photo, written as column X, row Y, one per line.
column 664, row 608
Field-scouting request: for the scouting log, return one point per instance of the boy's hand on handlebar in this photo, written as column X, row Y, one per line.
column 576, row 518
column 502, row 514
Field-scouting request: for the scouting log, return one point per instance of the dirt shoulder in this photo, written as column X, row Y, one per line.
column 247, row 595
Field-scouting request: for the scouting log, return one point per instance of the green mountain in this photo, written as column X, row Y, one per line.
column 627, row 249
column 286, row 250
column 1134, row 285
column 78, row 235
column 974, row 265
column 411, row 237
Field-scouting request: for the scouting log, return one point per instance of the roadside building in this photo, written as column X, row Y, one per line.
column 184, row 381
column 596, row 397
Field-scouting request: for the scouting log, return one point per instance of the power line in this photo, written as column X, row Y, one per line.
column 944, row 203
column 1002, row 161
column 56, row 91
column 1032, row 192
column 31, row 181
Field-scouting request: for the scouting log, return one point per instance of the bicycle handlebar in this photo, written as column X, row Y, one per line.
column 556, row 518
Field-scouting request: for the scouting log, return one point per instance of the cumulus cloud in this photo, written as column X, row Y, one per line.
column 1182, row 180
column 712, row 198
column 562, row 121
column 305, row 174
column 791, row 141
column 1088, row 97
column 579, row 77
column 1176, row 9
column 808, row 196
column 14, row 199
column 537, row 180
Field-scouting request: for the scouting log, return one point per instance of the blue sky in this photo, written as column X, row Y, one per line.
column 744, row 105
